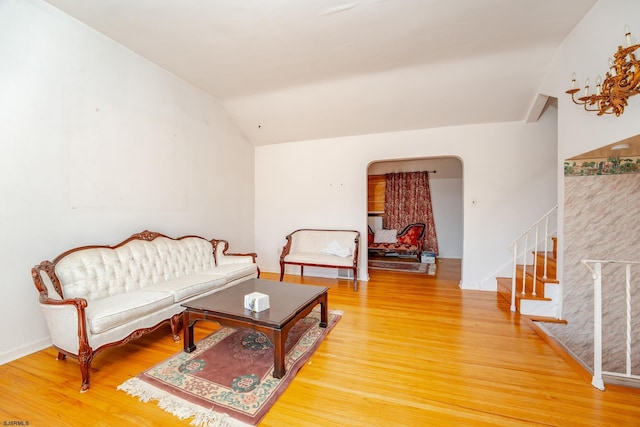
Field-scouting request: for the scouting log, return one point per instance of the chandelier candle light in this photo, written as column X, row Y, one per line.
column 620, row 82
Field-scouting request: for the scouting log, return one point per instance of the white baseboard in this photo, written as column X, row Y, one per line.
column 490, row 285
column 17, row 353
column 326, row 272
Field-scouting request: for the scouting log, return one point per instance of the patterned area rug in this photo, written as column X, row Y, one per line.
column 228, row 380
column 408, row 267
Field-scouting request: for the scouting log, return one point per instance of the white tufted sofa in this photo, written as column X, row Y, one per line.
column 96, row 297
column 321, row 248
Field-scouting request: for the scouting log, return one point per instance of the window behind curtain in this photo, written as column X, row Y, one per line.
column 408, row 200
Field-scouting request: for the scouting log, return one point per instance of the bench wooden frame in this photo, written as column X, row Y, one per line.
column 287, row 248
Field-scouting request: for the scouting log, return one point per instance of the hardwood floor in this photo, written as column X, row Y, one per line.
column 410, row 350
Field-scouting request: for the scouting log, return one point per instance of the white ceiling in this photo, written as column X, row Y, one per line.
column 290, row 70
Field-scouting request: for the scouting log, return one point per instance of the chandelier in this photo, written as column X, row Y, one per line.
column 620, row 82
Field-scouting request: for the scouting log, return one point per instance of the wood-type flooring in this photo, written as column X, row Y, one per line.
column 410, row 350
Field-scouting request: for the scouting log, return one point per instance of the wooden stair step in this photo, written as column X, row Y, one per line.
column 533, row 297
column 529, row 281
column 551, row 257
column 551, row 272
column 504, row 285
column 551, row 264
column 533, row 277
column 547, row 319
column 504, row 291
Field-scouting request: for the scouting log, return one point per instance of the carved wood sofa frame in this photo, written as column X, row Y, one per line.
column 86, row 353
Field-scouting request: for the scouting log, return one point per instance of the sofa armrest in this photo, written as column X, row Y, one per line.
column 286, row 249
column 66, row 320
column 223, row 257
column 370, row 235
column 413, row 232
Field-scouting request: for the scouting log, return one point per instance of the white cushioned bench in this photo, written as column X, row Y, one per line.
column 96, row 297
column 321, row 248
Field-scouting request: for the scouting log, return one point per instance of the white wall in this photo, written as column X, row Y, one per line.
column 447, row 203
column 508, row 168
column 586, row 51
column 96, row 144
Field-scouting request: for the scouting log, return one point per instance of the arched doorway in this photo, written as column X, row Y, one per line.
column 446, row 185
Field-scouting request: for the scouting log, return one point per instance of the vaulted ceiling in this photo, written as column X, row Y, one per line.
column 290, row 70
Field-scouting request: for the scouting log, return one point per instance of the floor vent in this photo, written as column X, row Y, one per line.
column 345, row 273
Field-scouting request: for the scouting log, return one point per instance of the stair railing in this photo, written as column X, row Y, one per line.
column 523, row 241
column 595, row 267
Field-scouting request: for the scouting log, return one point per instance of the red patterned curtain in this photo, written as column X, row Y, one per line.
column 407, row 200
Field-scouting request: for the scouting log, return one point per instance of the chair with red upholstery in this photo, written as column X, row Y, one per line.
column 409, row 240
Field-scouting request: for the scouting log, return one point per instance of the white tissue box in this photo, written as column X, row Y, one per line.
column 256, row 301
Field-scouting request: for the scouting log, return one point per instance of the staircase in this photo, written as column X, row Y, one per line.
column 533, row 290
column 542, row 302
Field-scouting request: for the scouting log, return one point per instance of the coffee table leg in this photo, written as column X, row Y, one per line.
column 324, row 311
column 278, row 353
column 189, row 346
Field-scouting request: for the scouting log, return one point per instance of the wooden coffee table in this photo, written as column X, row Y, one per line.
column 288, row 304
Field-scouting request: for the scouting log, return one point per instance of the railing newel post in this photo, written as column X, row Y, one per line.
column 513, row 277
column 535, row 263
column 524, row 265
column 628, row 299
column 597, row 327
column 596, row 273
column 546, row 246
